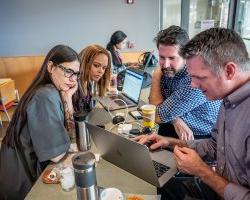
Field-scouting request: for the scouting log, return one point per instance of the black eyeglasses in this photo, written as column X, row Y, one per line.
column 69, row 72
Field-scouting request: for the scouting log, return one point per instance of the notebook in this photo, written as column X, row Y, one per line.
column 155, row 167
column 130, row 94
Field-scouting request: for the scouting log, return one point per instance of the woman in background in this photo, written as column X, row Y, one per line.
column 95, row 75
column 118, row 41
column 37, row 133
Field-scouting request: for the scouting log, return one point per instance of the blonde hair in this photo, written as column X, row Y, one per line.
column 87, row 57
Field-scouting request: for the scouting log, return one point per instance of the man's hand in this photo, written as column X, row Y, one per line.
column 157, row 140
column 182, row 129
column 188, row 161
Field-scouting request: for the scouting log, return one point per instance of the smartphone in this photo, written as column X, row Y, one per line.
column 135, row 114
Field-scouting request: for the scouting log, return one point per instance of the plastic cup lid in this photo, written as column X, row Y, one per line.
column 111, row 193
column 148, row 107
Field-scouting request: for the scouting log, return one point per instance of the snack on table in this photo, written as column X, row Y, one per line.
column 50, row 176
column 135, row 197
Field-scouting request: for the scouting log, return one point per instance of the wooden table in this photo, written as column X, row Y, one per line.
column 108, row 175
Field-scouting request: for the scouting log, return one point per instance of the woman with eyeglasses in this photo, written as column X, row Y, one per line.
column 37, row 133
column 95, row 76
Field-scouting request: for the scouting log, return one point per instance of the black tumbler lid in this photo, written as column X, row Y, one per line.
column 80, row 116
column 84, row 160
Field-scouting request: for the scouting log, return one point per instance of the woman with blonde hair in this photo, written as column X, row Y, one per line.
column 95, row 75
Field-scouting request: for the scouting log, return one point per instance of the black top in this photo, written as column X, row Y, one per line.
column 117, row 59
column 43, row 138
column 80, row 116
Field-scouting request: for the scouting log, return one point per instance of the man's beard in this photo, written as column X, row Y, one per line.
column 168, row 72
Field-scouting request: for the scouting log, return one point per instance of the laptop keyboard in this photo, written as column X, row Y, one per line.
column 160, row 168
column 120, row 103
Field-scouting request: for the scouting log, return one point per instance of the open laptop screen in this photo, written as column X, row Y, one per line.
column 132, row 85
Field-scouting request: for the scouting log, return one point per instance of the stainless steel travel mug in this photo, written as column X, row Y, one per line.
column 82, row 134
column 85, row 176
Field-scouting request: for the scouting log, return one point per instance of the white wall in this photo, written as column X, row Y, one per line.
column 32, row 27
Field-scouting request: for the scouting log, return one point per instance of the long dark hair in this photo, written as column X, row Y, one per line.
column 58, row 54
column 116, row 38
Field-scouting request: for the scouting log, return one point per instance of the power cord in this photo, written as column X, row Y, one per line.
column 126, row 126
column 128, row 122
column 126, row 115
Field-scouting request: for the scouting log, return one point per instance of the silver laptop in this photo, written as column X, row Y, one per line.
column 155, row 167
column 130, row 94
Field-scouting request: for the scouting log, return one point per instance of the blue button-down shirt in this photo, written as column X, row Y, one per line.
column 181, row 100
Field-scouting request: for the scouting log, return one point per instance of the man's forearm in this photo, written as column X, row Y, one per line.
column 213, row 180
column 174, row 141
column 155, row 96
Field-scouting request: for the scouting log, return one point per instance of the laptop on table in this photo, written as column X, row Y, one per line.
column 155, row 167
column 130, row 94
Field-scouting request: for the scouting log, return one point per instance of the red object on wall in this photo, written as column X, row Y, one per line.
column 130, row 1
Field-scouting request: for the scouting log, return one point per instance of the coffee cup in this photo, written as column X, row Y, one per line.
column 148, row 114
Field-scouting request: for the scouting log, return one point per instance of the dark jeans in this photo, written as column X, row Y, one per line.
column 185, row 187
column 167, row 129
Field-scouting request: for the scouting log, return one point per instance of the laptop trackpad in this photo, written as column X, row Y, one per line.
column 121, row 103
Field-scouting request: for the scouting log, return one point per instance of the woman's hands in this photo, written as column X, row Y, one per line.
column 67, row 95
column 68, row 106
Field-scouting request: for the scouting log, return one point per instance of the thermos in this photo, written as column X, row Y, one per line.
column 85, row 176
column 82, row 134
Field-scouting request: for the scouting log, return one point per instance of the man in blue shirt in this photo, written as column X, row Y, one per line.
column 182, row 111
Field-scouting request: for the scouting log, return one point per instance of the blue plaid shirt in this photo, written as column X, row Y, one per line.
column 181, row 100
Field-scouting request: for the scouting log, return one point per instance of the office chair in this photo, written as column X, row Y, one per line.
column 4, row 107
column 5, row 111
